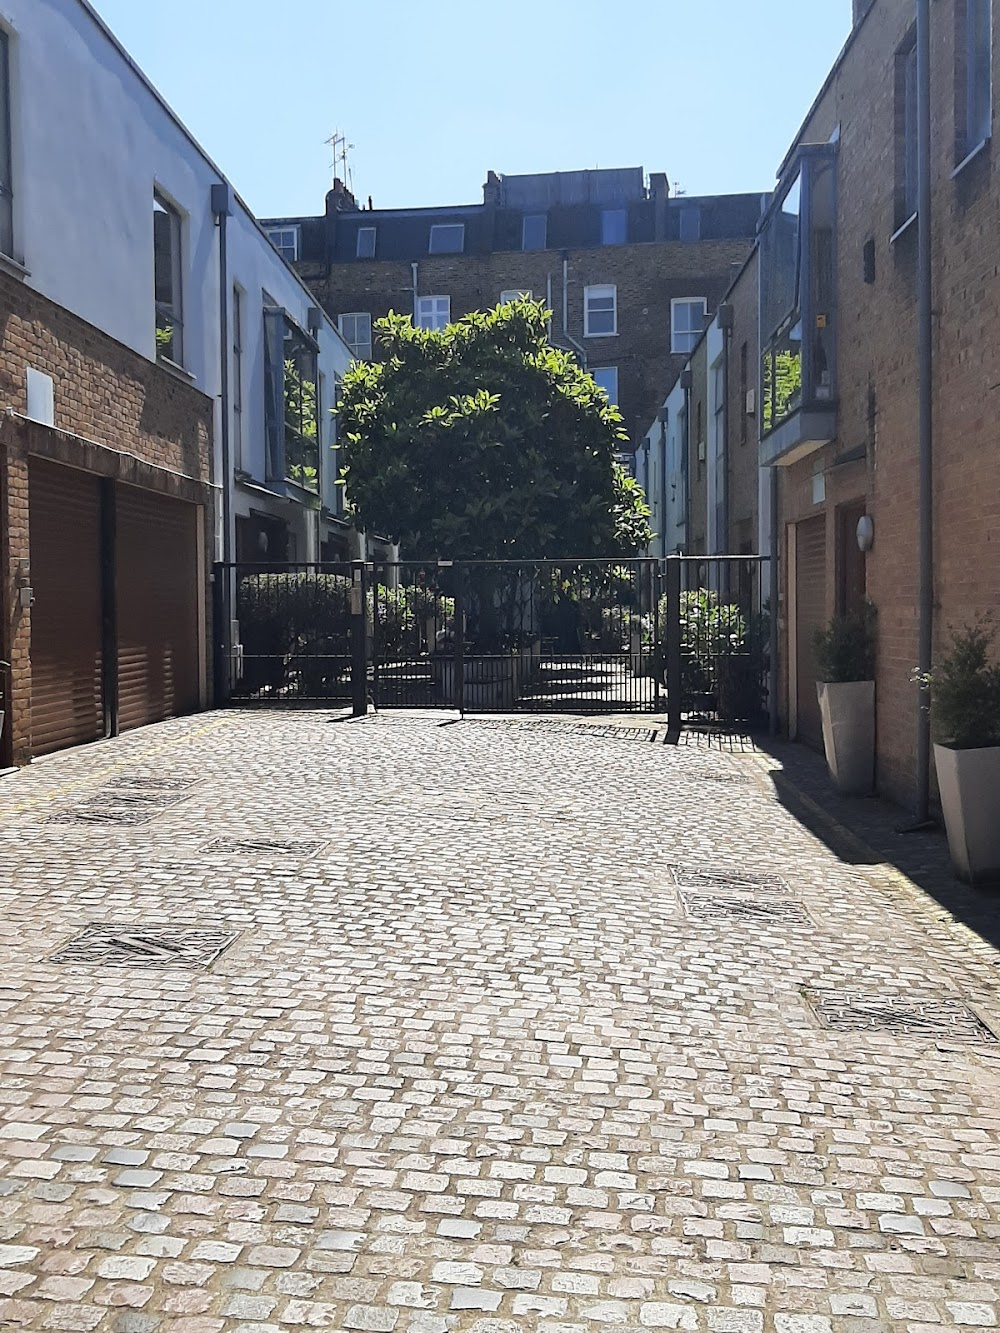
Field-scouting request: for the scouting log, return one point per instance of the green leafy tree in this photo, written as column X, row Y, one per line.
column 483, row 441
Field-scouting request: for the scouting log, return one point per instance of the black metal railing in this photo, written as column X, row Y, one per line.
column 685, row 635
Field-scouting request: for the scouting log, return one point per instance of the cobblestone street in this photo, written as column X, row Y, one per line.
column 524, row 1027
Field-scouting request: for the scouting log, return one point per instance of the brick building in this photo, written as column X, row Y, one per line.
column 628, row 271
column 832, row 290
column 148, row 336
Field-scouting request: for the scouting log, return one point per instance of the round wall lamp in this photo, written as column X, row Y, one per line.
column 866, row 532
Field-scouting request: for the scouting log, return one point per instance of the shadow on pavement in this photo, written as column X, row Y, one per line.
column 866, row 831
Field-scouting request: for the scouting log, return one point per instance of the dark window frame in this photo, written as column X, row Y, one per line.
column 441, row 227
column 366, row 231
column 906, row 130
column 168, row 290
column 973, row 77
column 291, row 358
column 6, row 150
column 614, row 226
column 535, row 218
column 237, row 394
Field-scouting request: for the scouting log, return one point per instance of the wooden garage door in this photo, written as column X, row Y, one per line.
column 66, row 662
column 157, row 587
column 810, row 616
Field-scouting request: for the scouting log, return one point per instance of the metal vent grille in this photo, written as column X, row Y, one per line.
column 728, row 879
column 713, row 907
column 930, row 1018
column 263, row 847
column 139, row 945
column 117, row 808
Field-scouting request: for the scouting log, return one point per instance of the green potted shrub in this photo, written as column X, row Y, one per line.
column 845, row 664
column 965, row 714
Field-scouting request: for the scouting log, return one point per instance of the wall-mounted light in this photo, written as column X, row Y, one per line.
column 866, row 532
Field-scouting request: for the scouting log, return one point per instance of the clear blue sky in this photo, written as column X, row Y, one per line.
column 432, row 93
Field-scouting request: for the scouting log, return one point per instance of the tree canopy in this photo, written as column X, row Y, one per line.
column 483, row 441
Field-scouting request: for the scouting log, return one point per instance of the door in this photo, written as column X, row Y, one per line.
column 158, row 607
column 810, row 616
column 66, row 620
column 850, row 560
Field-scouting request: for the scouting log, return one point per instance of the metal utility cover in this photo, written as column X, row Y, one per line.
column 712, row 907
column 138, row 945
column 727, row 879
column 928, row 1017
column 263, row 847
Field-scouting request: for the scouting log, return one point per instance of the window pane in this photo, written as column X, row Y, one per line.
column 515, row 294
column 447, row 239
column 6, row 184
column 613, row 226
column 167, row 280
column 978, row 72
column 533, row 232
column 690, row 224
column 366, row 242
column 910, row 135
column 606, row 378
column 301, row 410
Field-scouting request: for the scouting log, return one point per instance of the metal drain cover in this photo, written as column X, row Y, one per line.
column 603, row 730
column 929, row 1017
column 713, row 907
column 145, row 946
column 735, row 881
column 263, row 846
column 118, row 808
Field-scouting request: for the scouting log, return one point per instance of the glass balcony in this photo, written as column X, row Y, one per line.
column 797, row 309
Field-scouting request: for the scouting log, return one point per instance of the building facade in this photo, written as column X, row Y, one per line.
column 828, row 310
column 628, row 271
column 165, row 377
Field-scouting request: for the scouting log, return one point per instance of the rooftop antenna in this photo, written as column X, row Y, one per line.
column 341, row 166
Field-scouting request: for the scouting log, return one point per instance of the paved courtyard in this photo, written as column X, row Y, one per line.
column 523, row 1027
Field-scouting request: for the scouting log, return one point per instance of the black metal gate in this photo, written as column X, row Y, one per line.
column 687, row 636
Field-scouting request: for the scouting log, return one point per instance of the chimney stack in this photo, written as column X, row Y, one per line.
column 492, row 190
column 659, row 192
column 340, row 199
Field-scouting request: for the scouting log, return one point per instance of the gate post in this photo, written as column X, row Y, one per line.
column 359, row 638
column 459, row 667
column 673, row 649
column 221, row 660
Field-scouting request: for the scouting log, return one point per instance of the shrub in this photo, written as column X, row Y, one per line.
column 845, row 650
column 965, row 690
column 287, row 622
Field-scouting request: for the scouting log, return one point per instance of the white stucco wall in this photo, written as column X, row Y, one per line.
column 91, row 141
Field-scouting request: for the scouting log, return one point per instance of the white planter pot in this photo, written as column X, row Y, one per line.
column 969, row 783
column 848, row 712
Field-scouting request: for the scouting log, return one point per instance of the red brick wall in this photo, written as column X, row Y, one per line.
column 647, row 275
column 116, row 414
column 877, row 339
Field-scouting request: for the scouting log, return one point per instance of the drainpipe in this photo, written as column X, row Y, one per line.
column 580, row 350
column 773, row 592
column 662, row 414
column 687, row 380
column 548, row 302
column 222, row 208
column 925, row 404
column 414, row 270
column 725, row 317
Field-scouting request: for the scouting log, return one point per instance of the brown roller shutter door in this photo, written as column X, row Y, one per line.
column 157, row 560
column 810, row 615
column 66, row 658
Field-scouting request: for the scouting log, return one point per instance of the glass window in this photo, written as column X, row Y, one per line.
column 6, row 180
column 237, row 377
column 286, row 241
column 534, row 230
column 606, row 378
column 366, row 242
column 687, row 321
column 356, row 331
column 614, row 226
column 447, row 239
column 515, row 294
column 978, row 55
column 433, row 312
column 292, row 402
column 167, row 281
column 690, row 223
column 600, row 311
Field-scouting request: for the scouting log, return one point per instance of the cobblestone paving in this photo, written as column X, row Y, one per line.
column 522, row 1029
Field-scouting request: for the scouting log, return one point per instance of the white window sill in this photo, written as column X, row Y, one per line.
column 602, row 335
column 900, row 232
column 10, row 265
column 969, row 158
column 173, row 368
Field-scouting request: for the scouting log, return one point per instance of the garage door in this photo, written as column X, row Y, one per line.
column 158, row 605
column 66, row 662
column 810, row 616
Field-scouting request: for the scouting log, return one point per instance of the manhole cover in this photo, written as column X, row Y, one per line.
column 262, row 847
column 587, row 729
column 736, row 881
column 712, row 907
column 118, row 808
column 145, row 946
column 932, row 1018
column 720, row 775
column 151, row 784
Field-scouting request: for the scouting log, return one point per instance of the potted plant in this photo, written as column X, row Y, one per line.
column 845, row 663
column 965, row 712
